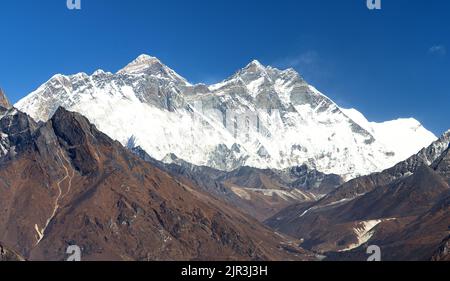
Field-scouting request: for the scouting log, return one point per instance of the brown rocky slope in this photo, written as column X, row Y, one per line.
column 65, row 183
column 404, row 210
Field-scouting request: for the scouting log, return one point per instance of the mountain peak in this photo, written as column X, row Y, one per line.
column 148, row 91
column 72, row 126
column 146, row 59
column 4, row 102
column 252, row 71
column 148, row 65
column 255, row 63
column 254, row 66
column 81, row 137
column 73, row 121
column 444, row 138
column 141, row 63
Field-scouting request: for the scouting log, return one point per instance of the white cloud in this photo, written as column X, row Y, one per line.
column 440, row 50
column 305, row 59
column 309, row 64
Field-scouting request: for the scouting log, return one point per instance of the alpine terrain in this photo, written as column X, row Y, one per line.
column 63, row 182
column 143, row 165
column 260, row 117
column 405, row 210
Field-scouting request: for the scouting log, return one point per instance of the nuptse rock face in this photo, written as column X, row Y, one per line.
column 64, row 183
column 260, row 117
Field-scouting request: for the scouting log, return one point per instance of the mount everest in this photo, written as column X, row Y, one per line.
column 260, row 117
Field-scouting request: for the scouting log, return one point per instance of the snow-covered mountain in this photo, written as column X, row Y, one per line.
column 261, row 117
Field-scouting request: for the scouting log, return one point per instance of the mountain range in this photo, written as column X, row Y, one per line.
column 143, row 165
column 260, row 117
column 64, row 183
column 405, row 210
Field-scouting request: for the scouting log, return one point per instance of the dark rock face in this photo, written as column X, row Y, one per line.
column 442, row 164
column 77, row 135
column 69, row 184
column 17, row 130
column 314, row 180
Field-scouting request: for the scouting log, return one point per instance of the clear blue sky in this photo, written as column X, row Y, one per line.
column 388, row 64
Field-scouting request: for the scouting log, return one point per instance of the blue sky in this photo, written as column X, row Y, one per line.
column 388, row 64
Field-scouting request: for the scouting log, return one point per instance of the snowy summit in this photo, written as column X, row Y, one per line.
column 295, row 123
